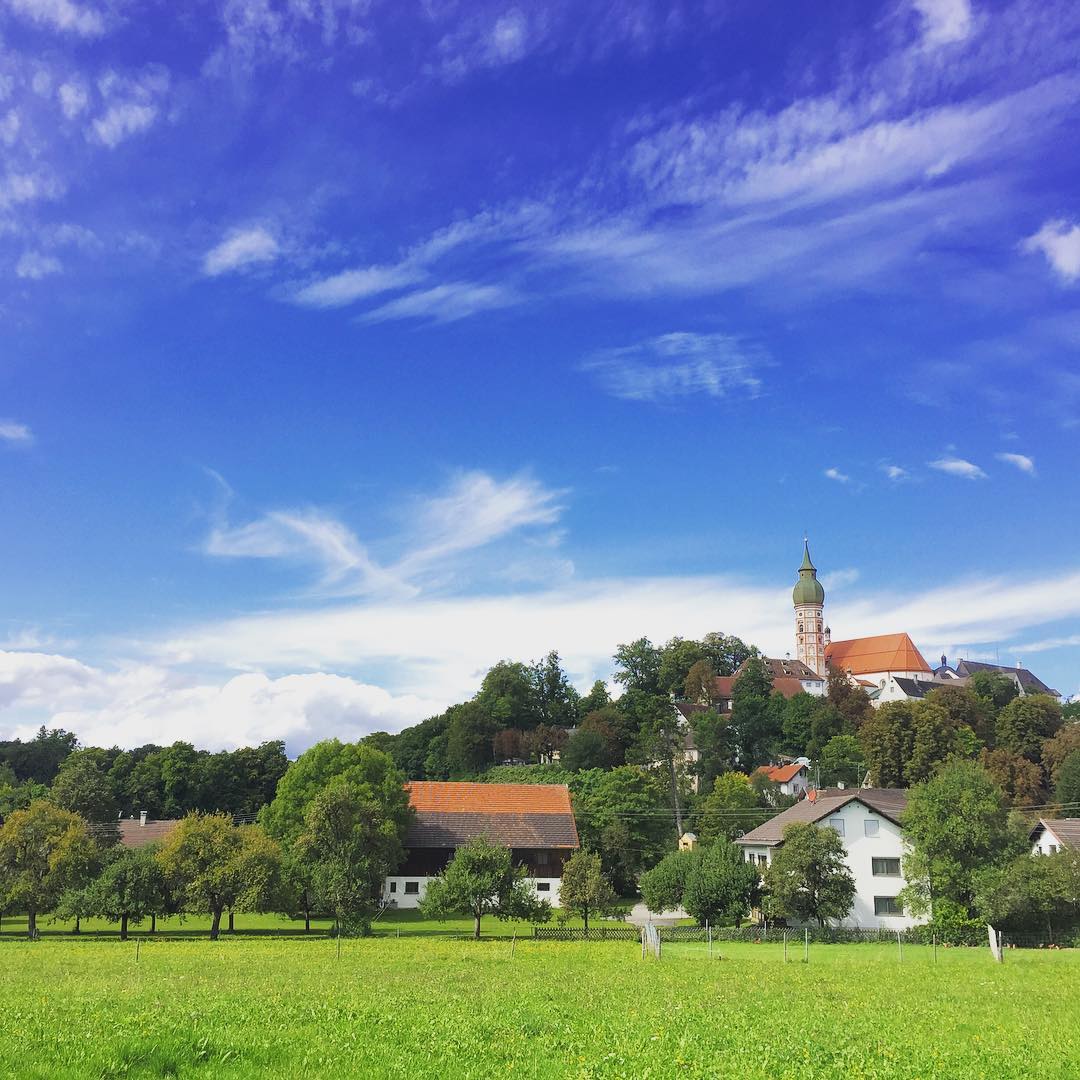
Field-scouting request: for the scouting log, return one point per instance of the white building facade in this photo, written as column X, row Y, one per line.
column 867, row 822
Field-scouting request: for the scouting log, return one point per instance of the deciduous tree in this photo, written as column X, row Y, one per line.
column 584, row 889
column 808, row 878
column 722, row 887
column 1026, row 722
column 481, row 880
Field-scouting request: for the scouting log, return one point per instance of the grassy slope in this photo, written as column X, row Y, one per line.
column 422, row 1007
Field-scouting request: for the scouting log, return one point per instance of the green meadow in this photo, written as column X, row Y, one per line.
column 263, row 1004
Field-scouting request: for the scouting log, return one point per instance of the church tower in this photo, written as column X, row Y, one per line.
column 811, row 634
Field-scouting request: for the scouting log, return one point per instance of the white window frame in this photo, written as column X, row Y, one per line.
column 871, row 826
column 837, row 824
column 897, row 914
column 884, row 873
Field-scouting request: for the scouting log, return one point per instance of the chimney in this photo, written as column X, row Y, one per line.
column 142, row 818
column 944, row 660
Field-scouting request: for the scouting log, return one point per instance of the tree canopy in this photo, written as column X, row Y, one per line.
column 808, row 878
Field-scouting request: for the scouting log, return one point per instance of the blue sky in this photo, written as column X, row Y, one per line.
column 349, row 347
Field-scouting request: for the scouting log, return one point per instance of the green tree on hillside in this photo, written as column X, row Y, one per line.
column 995, row 688
column 841, row 762
column 469, row 745
column 1067, row 791
column 1026, row 723
column 724, row 812
column 715, row 742
column 1021, row 780
column 887, row 739
column 83, row 786
column 725, row 652
column 597, row 698
column 637, row 666
column 481, row 880
column 556, row 699
column 698, row 684
column 753, row 723
column 585, row 890
column 808, row 878
column 44, row 851
column 849, row 701
column 1057, row 748
column 957, row 823
column 677, row 658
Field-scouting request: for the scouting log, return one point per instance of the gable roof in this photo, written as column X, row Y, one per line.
column 133, row 834
column 916, row 688
column 886, row 652
column 448, row 815
column 1067, row 830
column 1031, row 683
column 888, row 802
column 781, row 774
column 787, row 669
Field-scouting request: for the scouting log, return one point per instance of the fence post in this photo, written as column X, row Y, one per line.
column 900, row 946
column 806, row 945
column 137, row 944
column 513, row 942
column 935, row 948
column 643, row 943
column 785, row 946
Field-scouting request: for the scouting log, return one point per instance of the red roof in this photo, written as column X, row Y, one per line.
column 886, row 652
column 464, row 798
column 781, row 774
column 788, row 685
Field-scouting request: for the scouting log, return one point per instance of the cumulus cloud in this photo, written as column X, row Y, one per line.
column 1059, row 241
column 60, row 15
column 895, row 473
column 13, row 432
column 945, row 21
column 240, row 249
column 73, row 99
column 955, row 466
column 1018, row 461
column 679, row 365
column 140, row 703
column 34, row 266
column 838, row 476
column 121, row 121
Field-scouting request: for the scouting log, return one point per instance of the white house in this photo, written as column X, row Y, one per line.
column 1052, row 835
column 868, row 822
column 793, row 778
column 534, row 820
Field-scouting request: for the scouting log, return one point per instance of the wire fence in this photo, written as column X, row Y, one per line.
column 594, row 933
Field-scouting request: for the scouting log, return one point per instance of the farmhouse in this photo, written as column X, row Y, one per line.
column 868, row 822
column 534, row 820
column 1052, row 835
column 793, row 778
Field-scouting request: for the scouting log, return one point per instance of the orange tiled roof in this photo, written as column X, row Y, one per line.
column 781, row 774
column 464, row 798
column 886, row 652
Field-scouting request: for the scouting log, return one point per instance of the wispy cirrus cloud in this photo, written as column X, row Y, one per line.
column 1059, row 241
column 33, row 265
column 474, row 511
column 945, row 22
column 62, row 15
column 895, row 473
column 679, row 365
column 348, row 286
column 955, row 466
column 1018, row 461
column 241, row 248
column 445, row 303
column 14, row 433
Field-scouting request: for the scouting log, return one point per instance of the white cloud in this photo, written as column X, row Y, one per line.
column 955, row 466
column 121, row 121
column 445, row 303
column 945, row 21
column 240, row 249
column 140, row 703
column 60, row 15
column 508, row 40
column 895, row 472
column 679, row 365
column 838, row 476
column 474, row 511
column 840, row 579
column 13, row 432
column 1019, row 461
column 73, row 99
column 352, row 285
column 34, row 266
column 1046, row 644
column 9, row 127
column 1059, row 241
column 17, row 188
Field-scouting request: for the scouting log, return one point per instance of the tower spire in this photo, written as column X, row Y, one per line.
column 808, row 596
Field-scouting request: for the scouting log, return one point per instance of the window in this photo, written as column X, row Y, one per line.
column 543, row 886
column 870, row 826
column 837, row 823
column 887, row 905
column 412, row 888
column 542, row 858
column 393, row 886
column 763, row 860
column 886, row 867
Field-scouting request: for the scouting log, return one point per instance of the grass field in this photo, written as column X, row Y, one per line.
column 426, row 1007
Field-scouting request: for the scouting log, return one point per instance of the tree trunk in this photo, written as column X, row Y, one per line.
column 232, row 927
column 77, row 928
column 31, row 925
column 153, row 924
column 123, row 927
column 215, row 926
column 476, row 929
column 307, row 920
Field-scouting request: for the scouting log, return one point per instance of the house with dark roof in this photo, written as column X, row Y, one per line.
column 868, row 821
column 137, row 832
column 1052, row 835
column 534, row 820
column 1024, row 680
